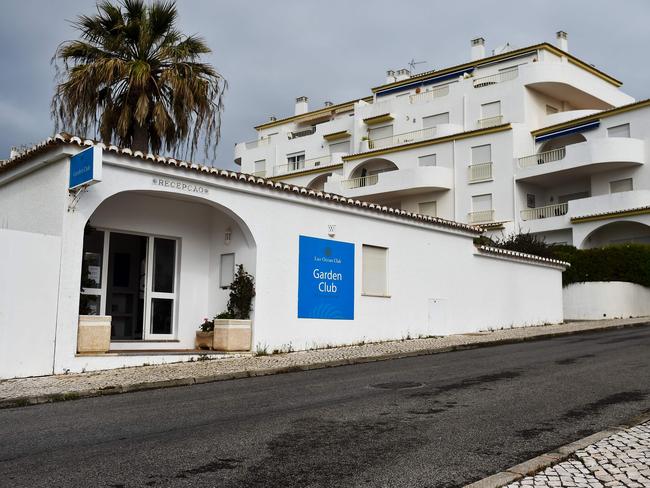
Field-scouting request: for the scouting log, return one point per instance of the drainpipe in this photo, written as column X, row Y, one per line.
column 453, row 168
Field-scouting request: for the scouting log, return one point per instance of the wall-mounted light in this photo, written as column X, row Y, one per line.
column 331, row 230
column 227, row 236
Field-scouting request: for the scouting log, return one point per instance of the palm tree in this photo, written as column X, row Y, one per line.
column 135, row 79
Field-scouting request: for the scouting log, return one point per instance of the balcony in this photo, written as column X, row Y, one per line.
column 480, row 217
column 601, row 154
column 490, row 122
column 411, row 180
column 497, row 78
column 405, row 138
column 545, row 212
column 302, row 133
column 609, row 203
column 430, row 95
column 479, row 172
column 307, row 164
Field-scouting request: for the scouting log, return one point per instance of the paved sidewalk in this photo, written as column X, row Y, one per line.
column 620, row 460
column 26, row 391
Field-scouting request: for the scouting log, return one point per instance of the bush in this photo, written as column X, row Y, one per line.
column 527, row 243
column 242, row 291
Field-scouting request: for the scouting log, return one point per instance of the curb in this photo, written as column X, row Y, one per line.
column 154, row 385
column 543, row 461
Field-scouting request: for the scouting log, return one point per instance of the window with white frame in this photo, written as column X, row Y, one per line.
column 428, row 160
column 340, row 147
column 489, row 110
column 428, row 208
column 374, row 270
column 226, row 270
column 375, row 133
column 482, row 154
column 434, row 120
column 296, row 161
column 482, row 203
column 92, row 271
column 619, row 186
column 622, row 130
column 260, row 166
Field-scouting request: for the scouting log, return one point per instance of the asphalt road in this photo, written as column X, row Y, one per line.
column 433, row 421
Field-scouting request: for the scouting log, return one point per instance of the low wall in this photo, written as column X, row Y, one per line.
column 605, row 300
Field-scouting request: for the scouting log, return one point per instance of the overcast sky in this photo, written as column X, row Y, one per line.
column 273, row 51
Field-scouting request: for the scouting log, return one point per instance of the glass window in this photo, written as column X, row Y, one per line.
column 296, row 161
column 375, row 270
column 163, row 265
column 90, row 304
column 428, row 160
column 433, row 120
column 226, row 270
column 161, row 315
column 93, row 255
column 620, row 185
column 619, row 131
column 428, row 208
column 530, row 200
column 482, row 154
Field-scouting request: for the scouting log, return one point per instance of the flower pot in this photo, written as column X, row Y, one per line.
column 204, row 339
column 232, row 335
column 365, row 146
column 94, row 334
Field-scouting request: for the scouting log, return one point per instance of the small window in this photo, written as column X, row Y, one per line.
column 374, row 270
column 296, row 161
column 489, row 110
column 428, row 208
column 434, row 120
column 340, row 147
column 481, row 203
column 530, row 200
column 227, row 270
column 620, row 185
column 482, row 154
column 260, row 165
column 619, row 131
column 428, row 160
column 375, row 133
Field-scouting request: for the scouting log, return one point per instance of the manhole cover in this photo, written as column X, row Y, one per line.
column 397, row 385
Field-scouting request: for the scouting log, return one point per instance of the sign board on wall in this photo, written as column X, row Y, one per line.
column 325, row 279
column 86, row 167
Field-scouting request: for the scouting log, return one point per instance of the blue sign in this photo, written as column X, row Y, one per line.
column 325, row 279
column 86, row 167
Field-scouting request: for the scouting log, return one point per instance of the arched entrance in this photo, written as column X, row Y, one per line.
column 318, row 183
column 159, row 263
column 619, row 232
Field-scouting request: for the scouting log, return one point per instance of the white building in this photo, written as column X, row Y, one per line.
column 524, row 140
column 153, row 243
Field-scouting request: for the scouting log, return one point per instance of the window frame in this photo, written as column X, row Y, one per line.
column 386, row 293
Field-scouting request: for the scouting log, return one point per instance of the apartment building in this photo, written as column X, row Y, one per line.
column 522, row 140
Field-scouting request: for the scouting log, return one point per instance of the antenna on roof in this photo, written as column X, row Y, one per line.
column 413, row 63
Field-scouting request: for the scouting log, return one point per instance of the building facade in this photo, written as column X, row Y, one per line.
column 524, row 140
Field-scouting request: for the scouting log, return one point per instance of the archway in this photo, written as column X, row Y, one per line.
column 372, row 167
column 620, row 232
column 318, row 183
column 560, row 142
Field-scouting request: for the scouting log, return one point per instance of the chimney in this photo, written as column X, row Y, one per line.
column 562, row 40
column 302, row 107
column 402, row 74
column 390, row 76
column 478, row 48
column 328, row 103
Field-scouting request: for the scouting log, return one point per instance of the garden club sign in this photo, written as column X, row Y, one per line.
column 86, row 168
column 325, row 279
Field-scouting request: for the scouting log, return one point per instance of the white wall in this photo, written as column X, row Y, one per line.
column 605, row 300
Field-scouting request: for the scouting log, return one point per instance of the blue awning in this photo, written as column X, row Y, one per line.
column 427, row 82
column 567, row 131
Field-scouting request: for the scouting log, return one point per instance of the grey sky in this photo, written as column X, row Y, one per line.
column 272, row 51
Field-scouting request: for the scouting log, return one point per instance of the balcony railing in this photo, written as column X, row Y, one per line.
column 543, row 157
column 360, row 182
column 427, row 96
column 282, row 169
column 396, row 140
column 302, row 133
column 258, row 143
column 507, row 75
column 479, row 172
column 480, row 216
column 490, row 121
column 545, row 212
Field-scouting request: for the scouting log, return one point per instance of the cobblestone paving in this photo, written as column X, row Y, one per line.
column 198, row 370
column 620, row 460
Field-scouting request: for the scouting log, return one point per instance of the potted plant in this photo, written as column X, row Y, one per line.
column 232, row 328
column 205, row 334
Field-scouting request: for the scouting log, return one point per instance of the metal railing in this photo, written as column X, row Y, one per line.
column 429, row 95
column 480, row 216
column 282, row 169
column 545, row 212
column 360, row 182
column 543, row 157
column 302, row 133
column 490, row 121
column 507, row 75
column 406, row 137
column 257, row 143
column 479, row 172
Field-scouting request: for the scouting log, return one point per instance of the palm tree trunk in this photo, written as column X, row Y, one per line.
column 140, row 139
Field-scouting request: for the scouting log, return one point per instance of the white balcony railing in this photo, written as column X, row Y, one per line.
column 282, row 169
column 543, row 157
column 490, row 121
column 480, row 216
column 479, row 172
column 405, row 138
column 429, row 95
column 545, row 212
column 507, row 75
column 258, row 143
column 360, row 182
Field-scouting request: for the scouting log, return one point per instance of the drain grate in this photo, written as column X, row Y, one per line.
column 397, row 385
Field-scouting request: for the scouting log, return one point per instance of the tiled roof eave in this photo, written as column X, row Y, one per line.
column 497, row 251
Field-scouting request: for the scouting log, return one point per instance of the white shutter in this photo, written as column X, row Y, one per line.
column 434, row 120
column 375, row 133
column 481, row 203
column 619, row 131
column 340, row 147
column 226, row 269
column 428, row 160
column 428, row 208
column 620, row 185
column 374, row 270
column 482, row 154
column 491, row 109
column 260, row 165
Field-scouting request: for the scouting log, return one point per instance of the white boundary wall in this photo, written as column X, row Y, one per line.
column 605, row 300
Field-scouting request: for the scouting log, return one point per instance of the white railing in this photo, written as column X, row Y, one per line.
column 490, row 121
column 545, row 212
column 258, row 143
column 507, row 75
column 396, row 140
column 429, row 95
column 302, row 165
column 543, row 157
column 360, row 182
column 480, row 216
column 302, row 133
column 480, row 172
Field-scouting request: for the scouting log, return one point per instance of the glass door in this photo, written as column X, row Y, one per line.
column 162, row 288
